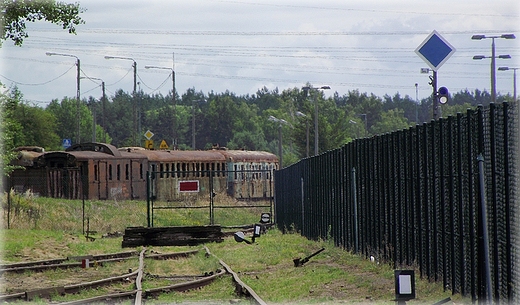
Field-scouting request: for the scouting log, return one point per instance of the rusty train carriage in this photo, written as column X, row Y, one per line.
column 240, row 174
column 101, row 171
column 250, row 173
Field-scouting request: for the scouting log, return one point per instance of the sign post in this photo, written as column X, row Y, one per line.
column 148, row 143
column 435, row 51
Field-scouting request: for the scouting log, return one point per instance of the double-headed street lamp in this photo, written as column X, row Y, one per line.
column 493, row 67
column 78, row 137
column 134, row 65
column 316, row 138
column 174, row 134
column 514, row 78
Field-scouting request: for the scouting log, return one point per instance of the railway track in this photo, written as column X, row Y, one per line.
column 137, row 294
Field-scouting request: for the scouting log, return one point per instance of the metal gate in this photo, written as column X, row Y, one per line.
column 170, row 190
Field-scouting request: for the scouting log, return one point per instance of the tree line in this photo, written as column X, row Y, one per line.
column 196, row 120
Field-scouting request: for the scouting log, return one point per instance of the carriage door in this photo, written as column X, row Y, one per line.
column 102, row 176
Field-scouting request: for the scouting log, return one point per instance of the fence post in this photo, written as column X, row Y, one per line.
column 485, row 236
column 354, row 197
column 148, row 198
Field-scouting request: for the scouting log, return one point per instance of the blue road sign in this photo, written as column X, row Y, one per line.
column 435, row 50
column 66, row 143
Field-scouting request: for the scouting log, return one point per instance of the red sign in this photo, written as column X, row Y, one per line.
column 189, row 186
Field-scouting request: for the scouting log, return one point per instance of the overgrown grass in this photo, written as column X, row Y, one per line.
column 333, row 276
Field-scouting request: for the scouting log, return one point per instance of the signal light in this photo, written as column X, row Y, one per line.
column 443, row 95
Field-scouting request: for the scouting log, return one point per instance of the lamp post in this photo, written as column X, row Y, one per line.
column 514, row 78
column 280, row 122
column 316, row 135
column 174, row 133
column 301, row 114
column 134, row 65
column 364, row 115
column 493, row 67
column 102, row 110
column 78, row 137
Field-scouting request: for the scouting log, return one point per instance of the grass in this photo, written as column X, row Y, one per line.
column 333, row 276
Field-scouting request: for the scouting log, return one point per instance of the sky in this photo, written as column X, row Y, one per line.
column 242, row 46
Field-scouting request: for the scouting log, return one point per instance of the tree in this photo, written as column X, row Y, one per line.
column 391, row 120
column 67, row 116
column 16, row 13
column 8, row 130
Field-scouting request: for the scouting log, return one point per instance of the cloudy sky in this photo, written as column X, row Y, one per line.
column 245, row 45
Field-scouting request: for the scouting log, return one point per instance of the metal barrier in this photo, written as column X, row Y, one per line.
column 412, row 197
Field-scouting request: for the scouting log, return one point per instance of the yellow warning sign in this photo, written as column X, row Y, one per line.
column 163, row 145
column 148, row 144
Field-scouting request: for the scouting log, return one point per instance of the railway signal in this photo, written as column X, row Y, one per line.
column 442, row 94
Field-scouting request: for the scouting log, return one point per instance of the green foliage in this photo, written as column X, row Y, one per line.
column 236, row 122
column 16, row 13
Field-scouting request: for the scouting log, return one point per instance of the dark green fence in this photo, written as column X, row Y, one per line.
column 413, row 198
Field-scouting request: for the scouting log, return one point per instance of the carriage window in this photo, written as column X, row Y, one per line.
column 236, row 169
column 127, row 171
column 197, row 169
column 110, row 172
column 118, row 172
column 224, row 173
column 141, row 171
column 95, row 172
column 167, row 170
column 184, row 169
column 218, row 169
column 161, row 170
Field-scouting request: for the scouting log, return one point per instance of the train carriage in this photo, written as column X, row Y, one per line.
column 170, row 167
column 250, row 173
column 27, row 176
column 94, row 171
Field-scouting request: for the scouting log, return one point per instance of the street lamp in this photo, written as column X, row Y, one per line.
column 316, row 139
column 493, row 67
column 78, row 137
column 102, row 109
column 301, row 114
column 514, row 78
column 174, row 134
column 280, row 121
column 134, row 65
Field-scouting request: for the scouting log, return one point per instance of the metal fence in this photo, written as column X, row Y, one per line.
column 414, row 198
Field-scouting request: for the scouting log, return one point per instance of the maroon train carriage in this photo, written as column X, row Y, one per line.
column 86, row 170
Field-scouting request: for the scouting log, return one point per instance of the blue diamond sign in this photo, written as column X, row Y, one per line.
column 435, row 50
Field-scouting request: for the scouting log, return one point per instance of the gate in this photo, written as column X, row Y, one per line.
column 196, row 190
